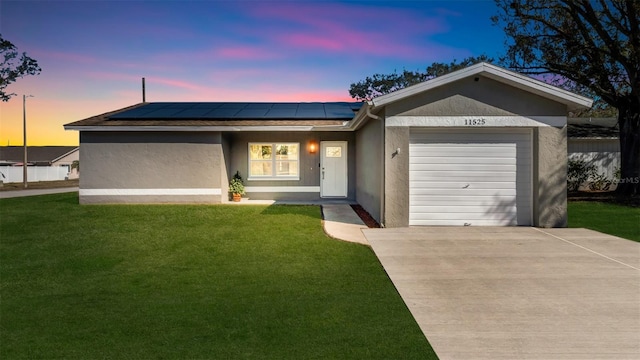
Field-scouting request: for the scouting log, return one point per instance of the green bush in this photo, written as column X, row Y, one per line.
column 579, row 171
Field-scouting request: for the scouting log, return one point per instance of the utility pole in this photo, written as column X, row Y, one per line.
column 24, row 139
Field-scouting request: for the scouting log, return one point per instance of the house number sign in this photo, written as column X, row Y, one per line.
column 474, row 122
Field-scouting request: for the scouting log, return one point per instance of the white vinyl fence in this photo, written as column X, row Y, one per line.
column 604, row 154
column 13, row 174
column 606, row 163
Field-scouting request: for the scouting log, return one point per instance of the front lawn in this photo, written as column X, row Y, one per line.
column 618, row 220
column 182, row 281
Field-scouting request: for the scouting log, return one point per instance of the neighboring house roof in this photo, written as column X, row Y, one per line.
column 592, row 128
column 38, row 155
column 529, row 84
column 223, row 114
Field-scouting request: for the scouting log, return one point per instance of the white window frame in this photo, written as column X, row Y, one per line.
column 273, row 162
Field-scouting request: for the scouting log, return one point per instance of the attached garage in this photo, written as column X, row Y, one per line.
column 481, row 146
column 465, row 177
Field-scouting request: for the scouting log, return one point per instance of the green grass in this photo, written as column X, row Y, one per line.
column 618, row 220
column 181, row 281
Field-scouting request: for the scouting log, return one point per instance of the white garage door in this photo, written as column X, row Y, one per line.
column 470, row 177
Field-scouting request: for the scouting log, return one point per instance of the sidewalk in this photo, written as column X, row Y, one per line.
column 22, row 193
column 342, row 222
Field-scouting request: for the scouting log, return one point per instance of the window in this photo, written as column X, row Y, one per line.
column 274, row 161
column 333, row 151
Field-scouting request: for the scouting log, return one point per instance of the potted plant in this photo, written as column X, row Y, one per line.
column 236, row 187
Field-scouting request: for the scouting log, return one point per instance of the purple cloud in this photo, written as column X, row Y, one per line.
column 353, row 29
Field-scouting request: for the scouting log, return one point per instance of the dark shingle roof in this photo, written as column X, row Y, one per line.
column 226, row 114
column 592, row 128
column 40, row 155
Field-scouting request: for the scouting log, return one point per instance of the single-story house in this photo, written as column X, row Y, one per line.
column 479, row 146
column 45, row 163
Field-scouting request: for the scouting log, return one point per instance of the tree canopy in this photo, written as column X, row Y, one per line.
column 380, row 84
column 591, row 45
column 13, row 67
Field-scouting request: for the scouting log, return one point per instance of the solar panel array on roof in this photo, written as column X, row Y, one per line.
column 240, row 111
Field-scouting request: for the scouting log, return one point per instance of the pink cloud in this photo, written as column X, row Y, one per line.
column 314, row 41
column 357, row 29
column 176, row 83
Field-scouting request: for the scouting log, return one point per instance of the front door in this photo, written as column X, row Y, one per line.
column 333, row 169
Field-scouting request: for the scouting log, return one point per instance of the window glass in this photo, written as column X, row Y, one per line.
column 333, row 151
column 260, row 151
column 271, row 161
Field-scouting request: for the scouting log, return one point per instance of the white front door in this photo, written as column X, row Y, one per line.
column 333, row 169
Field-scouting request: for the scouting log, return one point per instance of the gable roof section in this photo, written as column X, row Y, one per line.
column 523, row 82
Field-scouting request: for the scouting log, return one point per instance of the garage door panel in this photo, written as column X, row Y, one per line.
column 463, row 186
column 460, row 150
column 470, row 177
column 473, row 211
column 482, row 167
column 471, row 217
column 459, row 200
column 464, row 176
column 493, row 222
column 465, row 160
column 494, row 193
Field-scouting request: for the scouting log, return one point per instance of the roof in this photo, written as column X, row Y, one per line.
column 590, row 128
column 44, row 155
column 225, row 114
column 240, row 111
column 523, row 82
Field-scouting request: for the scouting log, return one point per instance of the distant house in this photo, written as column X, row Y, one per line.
column 479, row 146
column 595, row 141
column 45, row 163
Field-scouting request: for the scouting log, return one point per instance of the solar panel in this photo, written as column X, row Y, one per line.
column 251, row 106
column 221, row 113
column 207, row 105
column 251, row 113
column 285, row 106
column 193, row 113
column 233, row 105
column 280, row 113
column 162, row 113
column 311, row 114
column 237, row 110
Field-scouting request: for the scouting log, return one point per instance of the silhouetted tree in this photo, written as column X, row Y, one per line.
column 380, row 84
column 590, row 45
column 13, row 67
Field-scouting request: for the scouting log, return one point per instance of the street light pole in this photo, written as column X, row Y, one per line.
column 24, row 140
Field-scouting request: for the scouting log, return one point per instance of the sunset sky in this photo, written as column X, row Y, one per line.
column 93, row 54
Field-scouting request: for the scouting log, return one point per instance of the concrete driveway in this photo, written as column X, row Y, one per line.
column 517, row 292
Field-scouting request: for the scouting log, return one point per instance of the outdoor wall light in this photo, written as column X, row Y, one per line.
column 313, row 147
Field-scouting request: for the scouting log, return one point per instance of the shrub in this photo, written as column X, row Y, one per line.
column 578, row 172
